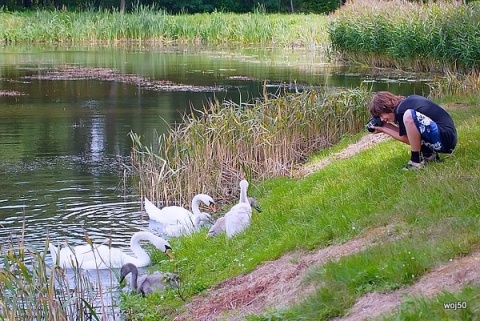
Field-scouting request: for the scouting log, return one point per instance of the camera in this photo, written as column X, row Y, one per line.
column 373, row 122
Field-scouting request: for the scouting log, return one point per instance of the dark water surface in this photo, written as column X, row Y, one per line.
column 64, row 142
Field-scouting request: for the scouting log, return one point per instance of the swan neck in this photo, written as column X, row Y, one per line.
column 142, row 256
column 195, row 205
column 243, row 194
column 134, row 279
column 53, row 252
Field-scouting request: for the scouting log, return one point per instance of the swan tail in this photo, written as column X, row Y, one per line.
column 151, row 209
column 53, row 252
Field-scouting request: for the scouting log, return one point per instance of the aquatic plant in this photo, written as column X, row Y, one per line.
column 31, row 289
column 148, row 24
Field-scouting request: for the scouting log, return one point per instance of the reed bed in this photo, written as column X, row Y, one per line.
column 456, row 84
column 148, row 24
column 30, row 289
column 214, row 148
column 431, row 36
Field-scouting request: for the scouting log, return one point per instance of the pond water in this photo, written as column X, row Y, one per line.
column 65, row 115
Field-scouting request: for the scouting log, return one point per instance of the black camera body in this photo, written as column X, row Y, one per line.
column 373, row 122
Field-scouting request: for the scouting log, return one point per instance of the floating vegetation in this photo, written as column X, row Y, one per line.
column 11, row 93
column 108, row 74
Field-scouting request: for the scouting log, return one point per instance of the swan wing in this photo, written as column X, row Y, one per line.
column 176, row 215
column 102, row 257
column 176, row 230
column 238, row 219
column 168, row 214
column 218, row 227
column 154, row 283
column 65, row 257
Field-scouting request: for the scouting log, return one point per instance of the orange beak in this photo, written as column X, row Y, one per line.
column 170, row 254
column 213, row 208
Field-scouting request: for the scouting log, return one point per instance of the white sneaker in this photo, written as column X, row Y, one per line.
column 414, row 166
column 433, row 158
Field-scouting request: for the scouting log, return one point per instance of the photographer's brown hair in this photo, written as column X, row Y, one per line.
column 384, row 102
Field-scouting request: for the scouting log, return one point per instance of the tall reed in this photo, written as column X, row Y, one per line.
column 149, row 24
column 435, row 35
column 456, row 84
column 214, row 148
column 30, row 289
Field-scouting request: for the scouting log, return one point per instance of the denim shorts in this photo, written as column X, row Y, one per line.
column 428, row 130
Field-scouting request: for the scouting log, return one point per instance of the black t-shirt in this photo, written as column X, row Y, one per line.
column 446, row 127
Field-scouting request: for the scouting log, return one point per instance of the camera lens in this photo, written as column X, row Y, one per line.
column 373, row 122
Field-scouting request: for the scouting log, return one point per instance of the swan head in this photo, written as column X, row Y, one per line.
column 126, row 269
column 205, row 199
column 243, row 185
column 163, row 246
column 254, row 204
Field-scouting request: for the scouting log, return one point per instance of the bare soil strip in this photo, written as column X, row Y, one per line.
column 364, row 143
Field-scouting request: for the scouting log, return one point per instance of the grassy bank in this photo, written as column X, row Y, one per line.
column 212, row 150
column 431, row 36
column 148, row 25
column 432, row 216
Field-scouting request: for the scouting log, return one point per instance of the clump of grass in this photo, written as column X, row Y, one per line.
column 431, row 36
column 213, row 149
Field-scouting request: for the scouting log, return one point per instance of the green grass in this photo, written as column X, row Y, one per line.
column 433, row 213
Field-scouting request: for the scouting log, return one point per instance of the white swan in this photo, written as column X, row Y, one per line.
column 177, row 220
column 149, row 283
column 219, row 226
column 239, row 216
column 104, row 257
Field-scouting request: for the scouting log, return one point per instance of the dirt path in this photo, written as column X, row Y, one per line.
column 365, row 142
column 278, row 284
